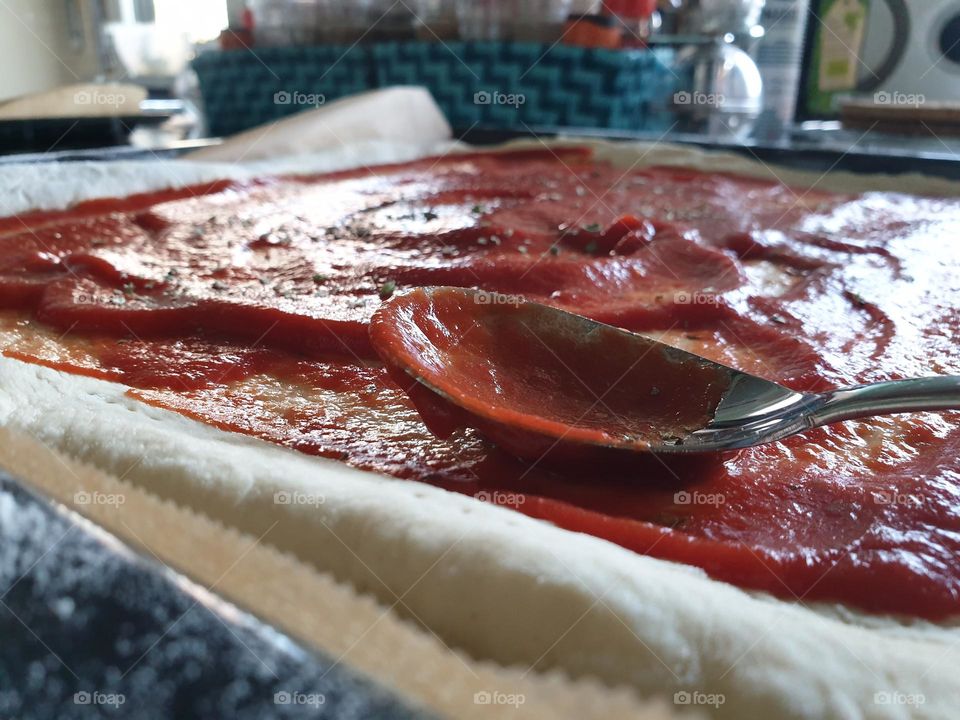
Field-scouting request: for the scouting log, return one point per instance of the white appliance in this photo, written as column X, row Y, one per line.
column 912, row 47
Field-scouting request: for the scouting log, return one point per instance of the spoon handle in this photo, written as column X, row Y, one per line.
column 888, row 398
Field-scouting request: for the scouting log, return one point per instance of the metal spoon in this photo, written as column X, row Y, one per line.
column 511, row 370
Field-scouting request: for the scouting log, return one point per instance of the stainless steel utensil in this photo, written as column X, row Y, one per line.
column 756, row 411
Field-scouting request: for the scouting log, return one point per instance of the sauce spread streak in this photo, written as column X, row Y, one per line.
column 246, row 306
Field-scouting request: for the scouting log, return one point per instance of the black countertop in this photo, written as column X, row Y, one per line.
column 818, row 147
column 90, row 629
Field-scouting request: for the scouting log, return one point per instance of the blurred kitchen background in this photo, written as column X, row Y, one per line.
column 871, row 78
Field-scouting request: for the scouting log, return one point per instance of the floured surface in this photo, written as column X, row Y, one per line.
column 695, row 658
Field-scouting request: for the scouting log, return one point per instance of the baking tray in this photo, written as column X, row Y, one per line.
column 37, row 135
column 814, row 151
column 839, row 150
column 62, row 603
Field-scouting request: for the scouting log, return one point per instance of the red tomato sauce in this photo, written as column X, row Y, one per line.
column 246, row 306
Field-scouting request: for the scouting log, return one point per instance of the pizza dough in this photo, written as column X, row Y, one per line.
column 496, row 584
column 313, row 608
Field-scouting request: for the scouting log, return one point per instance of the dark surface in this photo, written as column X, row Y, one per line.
column 84, row 621
column 839, row 151
column 66, row 133
column 104, row 154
